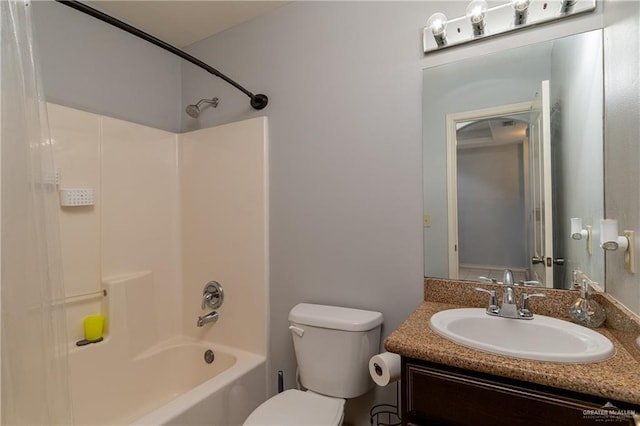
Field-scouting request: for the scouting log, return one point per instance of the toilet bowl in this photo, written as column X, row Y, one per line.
column 333, row 346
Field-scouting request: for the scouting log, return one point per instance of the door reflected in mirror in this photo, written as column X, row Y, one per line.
column 492, row 198
column 522, row 134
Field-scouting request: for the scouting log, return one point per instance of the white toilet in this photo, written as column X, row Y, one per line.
column 333, row 346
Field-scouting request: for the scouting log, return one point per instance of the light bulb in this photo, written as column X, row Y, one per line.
column 476, row 12
column 521, row 8
column 438, row 25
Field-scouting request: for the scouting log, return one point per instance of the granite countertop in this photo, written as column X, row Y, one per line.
column 617, row 378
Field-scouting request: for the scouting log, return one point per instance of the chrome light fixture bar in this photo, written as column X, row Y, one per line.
column 481, row 22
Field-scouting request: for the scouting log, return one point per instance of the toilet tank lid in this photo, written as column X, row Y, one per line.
column 335, row 317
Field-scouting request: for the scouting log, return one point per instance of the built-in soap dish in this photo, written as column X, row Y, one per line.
column 85, row 342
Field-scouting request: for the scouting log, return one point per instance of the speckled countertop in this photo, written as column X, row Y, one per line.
column 617, row 378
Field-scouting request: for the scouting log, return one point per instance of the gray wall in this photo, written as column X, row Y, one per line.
column 90, row 65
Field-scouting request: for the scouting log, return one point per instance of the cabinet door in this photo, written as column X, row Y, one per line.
column 443, row 396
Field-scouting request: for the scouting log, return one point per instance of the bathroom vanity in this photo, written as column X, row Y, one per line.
column 437, row 394
column 447, row 383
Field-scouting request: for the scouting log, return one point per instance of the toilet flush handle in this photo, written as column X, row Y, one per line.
column 297, row 330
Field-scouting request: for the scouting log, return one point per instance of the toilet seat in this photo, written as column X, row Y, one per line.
column 297, row 408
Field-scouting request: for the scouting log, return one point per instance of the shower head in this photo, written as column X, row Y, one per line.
column 193, row 110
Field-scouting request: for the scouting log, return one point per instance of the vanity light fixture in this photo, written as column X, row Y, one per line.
column 437, row 23
column 476, row 12
column 578, row 232
column 521, row 10
column 480, row 21
column 611, row 241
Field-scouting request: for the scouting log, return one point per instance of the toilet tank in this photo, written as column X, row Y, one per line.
column 333, row 346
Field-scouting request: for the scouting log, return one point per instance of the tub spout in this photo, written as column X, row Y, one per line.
column 210, row 317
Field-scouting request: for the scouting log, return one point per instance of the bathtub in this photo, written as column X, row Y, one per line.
column 169, row 383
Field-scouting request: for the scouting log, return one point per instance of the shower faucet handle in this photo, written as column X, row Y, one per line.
column 212, row 295
column 206, row 299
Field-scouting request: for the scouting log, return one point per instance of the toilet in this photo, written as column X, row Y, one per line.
column 333, row 346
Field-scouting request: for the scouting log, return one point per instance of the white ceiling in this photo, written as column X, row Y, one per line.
column 492, row 132
column 182, row 22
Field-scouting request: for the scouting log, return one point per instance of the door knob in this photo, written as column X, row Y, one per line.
column 558, row 261
column 536, row 260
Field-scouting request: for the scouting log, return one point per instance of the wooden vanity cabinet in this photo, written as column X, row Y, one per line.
column 433, row 394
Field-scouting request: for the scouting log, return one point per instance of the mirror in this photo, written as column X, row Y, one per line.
column 497, row 197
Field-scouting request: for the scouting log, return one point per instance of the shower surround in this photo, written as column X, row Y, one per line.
column 172, row 212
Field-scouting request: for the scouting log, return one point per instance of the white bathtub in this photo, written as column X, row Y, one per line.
column 169, row 383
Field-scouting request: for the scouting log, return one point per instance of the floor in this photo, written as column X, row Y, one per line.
column 474, row 274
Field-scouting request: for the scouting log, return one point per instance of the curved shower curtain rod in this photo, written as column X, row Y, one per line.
column 258, row 101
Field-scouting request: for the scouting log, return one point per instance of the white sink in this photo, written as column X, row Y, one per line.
column 541, row 338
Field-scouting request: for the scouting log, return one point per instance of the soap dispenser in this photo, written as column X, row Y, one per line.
column 575, row 282
column 586, row 311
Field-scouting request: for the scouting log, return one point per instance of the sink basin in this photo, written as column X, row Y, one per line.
column 541, row 338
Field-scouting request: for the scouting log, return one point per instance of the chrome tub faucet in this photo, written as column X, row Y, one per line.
column 212, row 296
column 204, row 319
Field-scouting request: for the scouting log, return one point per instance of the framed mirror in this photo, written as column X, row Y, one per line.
column 512, row 150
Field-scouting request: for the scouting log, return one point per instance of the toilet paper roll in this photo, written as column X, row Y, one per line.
column 384, row 368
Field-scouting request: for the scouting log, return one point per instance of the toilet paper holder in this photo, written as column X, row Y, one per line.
column 385, row 414
column 385, row 368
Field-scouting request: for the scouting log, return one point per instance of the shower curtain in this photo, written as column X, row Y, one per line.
column 33, row 342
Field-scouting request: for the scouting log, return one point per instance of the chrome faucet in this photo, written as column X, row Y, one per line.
column 212, row 296
column 507, row 278
column 210, row 317
column 509, row 307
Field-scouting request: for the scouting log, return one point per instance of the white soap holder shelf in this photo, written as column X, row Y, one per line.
column 76, row 197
